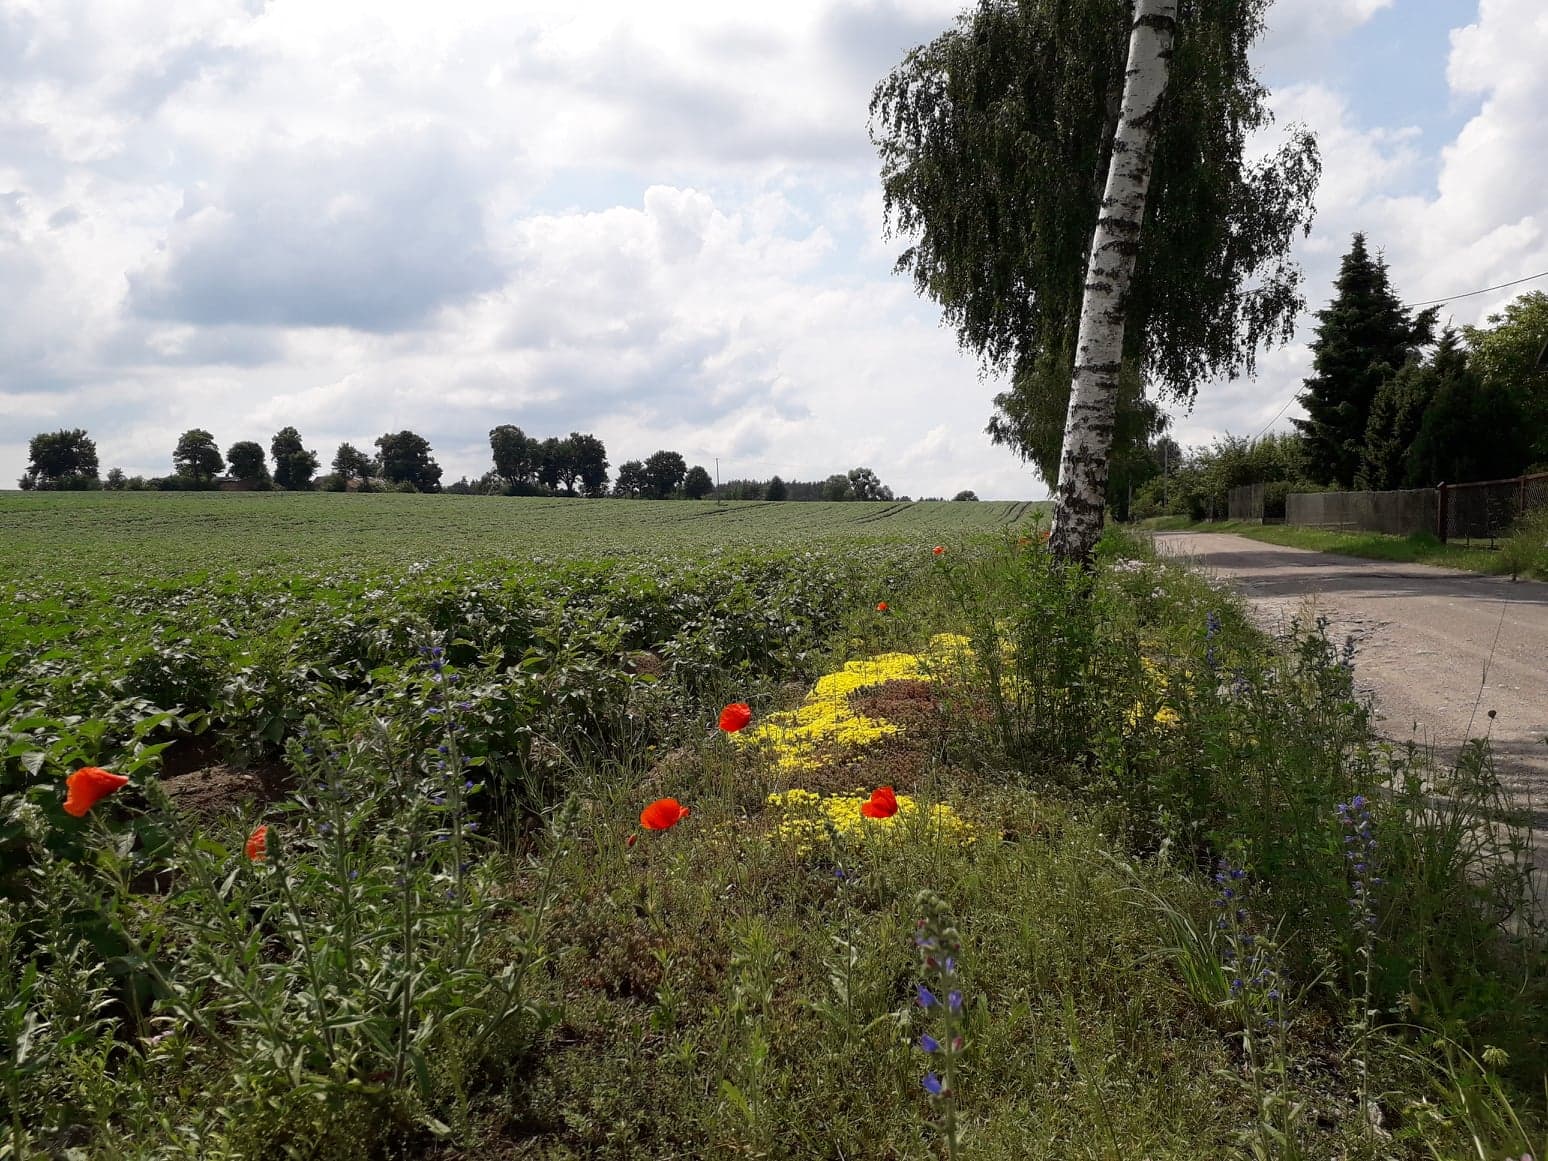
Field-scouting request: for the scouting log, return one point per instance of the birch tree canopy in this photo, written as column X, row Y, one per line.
column 994, row 141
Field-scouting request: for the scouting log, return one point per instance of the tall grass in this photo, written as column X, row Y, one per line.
column 1215, row 746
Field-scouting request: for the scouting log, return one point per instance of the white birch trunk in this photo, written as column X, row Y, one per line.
column 1088, row 426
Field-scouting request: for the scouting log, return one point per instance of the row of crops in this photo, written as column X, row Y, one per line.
column 242, row 613
column 62, row 537
column 188, row 630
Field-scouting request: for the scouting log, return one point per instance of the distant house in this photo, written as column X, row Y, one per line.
column 227, row 484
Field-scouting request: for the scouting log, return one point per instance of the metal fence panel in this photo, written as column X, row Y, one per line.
column 1486, row 510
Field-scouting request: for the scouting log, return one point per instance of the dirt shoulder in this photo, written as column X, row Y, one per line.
column 1436, row 648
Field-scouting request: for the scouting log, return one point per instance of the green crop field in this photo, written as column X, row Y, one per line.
column 144, row 534
column 386, row 826
column 174, row 601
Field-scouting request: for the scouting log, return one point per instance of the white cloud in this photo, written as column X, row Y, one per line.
column 1299, row 32
column 374, row 235
column 663, row 227
column 1358, row 162
column 1483, row 222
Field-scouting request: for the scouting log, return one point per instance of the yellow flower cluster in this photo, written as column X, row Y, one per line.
column 1164, row 716
column 804, row 738
column 809, row 821
column 948, row 651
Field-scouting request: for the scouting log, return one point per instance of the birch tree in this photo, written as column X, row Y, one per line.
column 1088, row 427
column 995, row 142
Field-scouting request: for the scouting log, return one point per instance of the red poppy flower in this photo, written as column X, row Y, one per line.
column 883, row 803
column 88, row 786
column 257, row 847
column 881, row 606
column 735, row 716
column 938, row 550
column 663, row 814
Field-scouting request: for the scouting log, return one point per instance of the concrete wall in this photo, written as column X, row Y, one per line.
column 1245, row 502
column 1401, row 513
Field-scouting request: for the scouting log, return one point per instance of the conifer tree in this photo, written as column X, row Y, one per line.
column 1471, row 430
column 1396, row 414
column 1365, row 336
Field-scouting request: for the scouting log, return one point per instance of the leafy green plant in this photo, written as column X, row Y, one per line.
column 1035, row 629
column 747, row 1046
column 38, row 751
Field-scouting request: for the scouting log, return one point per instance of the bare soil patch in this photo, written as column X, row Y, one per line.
column 197, row 780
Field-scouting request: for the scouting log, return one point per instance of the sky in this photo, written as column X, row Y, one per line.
column 658, row 223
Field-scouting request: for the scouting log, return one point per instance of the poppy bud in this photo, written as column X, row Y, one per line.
column 257, row 845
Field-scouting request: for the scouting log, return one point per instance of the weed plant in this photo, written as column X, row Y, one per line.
column 344, row 983
column 1525, row 552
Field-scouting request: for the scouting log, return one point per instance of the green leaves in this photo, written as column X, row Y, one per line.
column 994, row 140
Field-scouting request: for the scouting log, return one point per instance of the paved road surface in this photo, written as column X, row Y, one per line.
column 1436, row 648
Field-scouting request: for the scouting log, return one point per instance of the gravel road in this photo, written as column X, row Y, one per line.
column 1436, row 649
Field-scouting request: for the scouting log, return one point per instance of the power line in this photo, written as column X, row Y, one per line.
column 1471, row 293
column 1414, row 306
column 1277, row 414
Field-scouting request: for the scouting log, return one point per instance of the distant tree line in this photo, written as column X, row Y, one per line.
column 66, row 460
column 856, row 484
column 523, row 465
